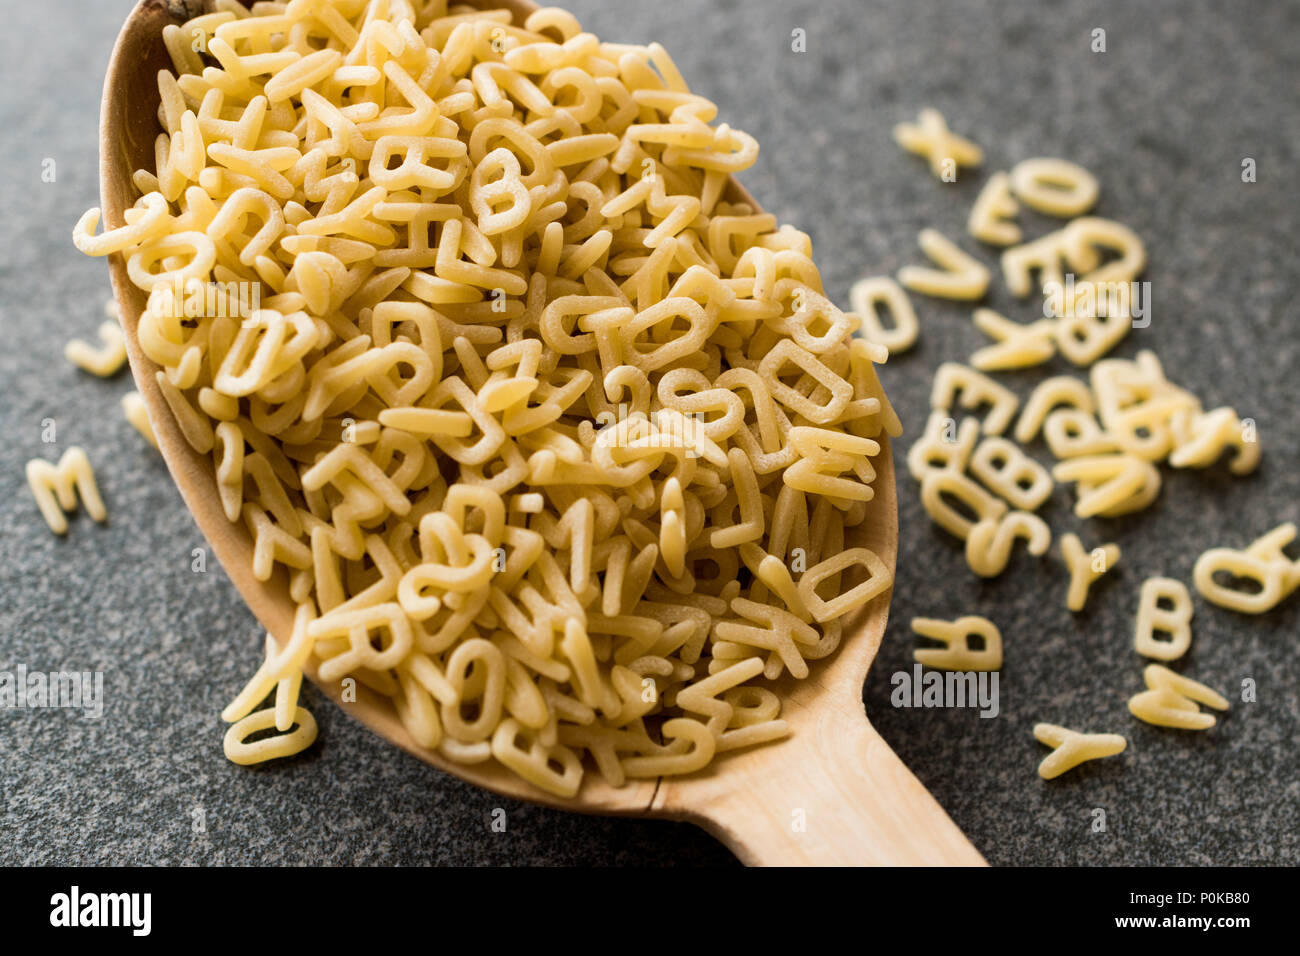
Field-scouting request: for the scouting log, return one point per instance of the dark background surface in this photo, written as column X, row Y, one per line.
column 1184, row 92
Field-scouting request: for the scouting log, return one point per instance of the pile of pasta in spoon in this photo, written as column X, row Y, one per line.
column 553, row 444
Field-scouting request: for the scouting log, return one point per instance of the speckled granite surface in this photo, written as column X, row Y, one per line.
column 1165, row 116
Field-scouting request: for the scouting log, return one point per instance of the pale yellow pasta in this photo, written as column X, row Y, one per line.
column 1170, row 700
column 976, row 502
column 945, row 151
column 1045, row 255
column 1017, row 346
column 1047, row 395
column 959, row 653
column 134, row 410
column 868, row 295
column 105, row 360
column 1054, row 186
column 1264, row 562
column 554, row 443
column 1085, row 567
column 989, row 544
column 1154, row 618
column 240, row 750
column 1110, row 485
column 1201, row 438
column 1007, row 471
column 945, row 444
column 1072, row 433
column 56, row 488
column 1084, row 338
column 988, row 221
column 1138, row 406
column 960, row 276
column 976, row 389
column 1071, row 748
column 1082, row 239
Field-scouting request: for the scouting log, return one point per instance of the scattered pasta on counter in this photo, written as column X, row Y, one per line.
column 1071, row 748
column 1170, row 700
column 1016, row 346
column 867, row 296
column 1085, row 567
column 134, row 410
column 1154, row 618
column 971, row 643
column 1056, row 187
column 56, row 488
column 1264, row 562
column 1108, row 433
column 105, row 360
column 944, row 150
column 960, row 275
column 990, row 216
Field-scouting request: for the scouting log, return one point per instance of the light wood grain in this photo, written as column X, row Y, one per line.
column 860, row 804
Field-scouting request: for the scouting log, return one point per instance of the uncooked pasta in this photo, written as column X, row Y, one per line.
column 56, row 488
column 959, row 276
column 1071, row 748
column 959, row 651
column 553, row 442
column 1171, row 700
column 1164, row 628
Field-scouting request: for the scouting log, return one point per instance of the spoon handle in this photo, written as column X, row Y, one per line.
column 841, row 797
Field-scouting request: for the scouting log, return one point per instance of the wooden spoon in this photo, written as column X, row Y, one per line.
column 834, row 793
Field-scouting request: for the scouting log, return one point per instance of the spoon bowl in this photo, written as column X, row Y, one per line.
column 833, row 792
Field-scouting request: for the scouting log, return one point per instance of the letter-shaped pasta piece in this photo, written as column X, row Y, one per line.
column 1084, row 236
column 1174, row 621
column 1049, row 393
column 134, row 410
column 693, row 734
column 360, row 626
column 988, row 546
column 1207, row 435
column 1110, row 485
column 867, row 295
column 145, row 222
column 1083, row 339
column 56, row 488
column 1170, row 700
column 1072, row 433
column 945, row 445
column 981, row 504
column 280, row 664
column 239, row 750
column 534, row 761
column 1085, row 567
column 993, row 207
column 1054, row 186
column 1043, row 255
column 961, row 275
column 1263, row 562
column 976, row 389
column 840, row 392
column 751, row 524
column 945, row 151
column 877, row 582
column 1007, row 471
column 1018, row 346
column 1071, row 748
column 824, row 455
column 960, row 652
column 105, row 361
